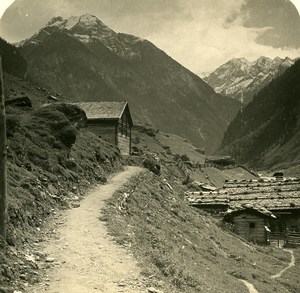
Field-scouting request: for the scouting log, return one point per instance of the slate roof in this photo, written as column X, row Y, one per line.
column 103, row 110
column 272, row 195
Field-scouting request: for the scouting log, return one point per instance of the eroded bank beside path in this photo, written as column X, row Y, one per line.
column 84, row 257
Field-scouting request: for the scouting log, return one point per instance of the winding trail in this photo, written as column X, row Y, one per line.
column 291, row 264
column 250, row 286
column 86, row 259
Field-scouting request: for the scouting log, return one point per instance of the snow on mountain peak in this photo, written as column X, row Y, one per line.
column 88, row 29
column 71, row 22
column 89, row 20
column 86, row 21
column 241, row 79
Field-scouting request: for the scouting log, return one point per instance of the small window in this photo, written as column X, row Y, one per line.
column 252, row 225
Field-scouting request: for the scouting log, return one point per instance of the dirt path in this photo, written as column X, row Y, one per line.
column 86, row 259
column 250, row 287
column 291, row 264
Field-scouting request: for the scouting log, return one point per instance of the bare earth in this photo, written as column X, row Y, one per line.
column 250, row 286
column 86, row 259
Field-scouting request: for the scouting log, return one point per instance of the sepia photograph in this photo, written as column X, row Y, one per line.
column 150, row 146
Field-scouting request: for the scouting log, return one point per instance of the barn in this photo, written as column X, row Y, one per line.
column 111, row 121
column 251, row 223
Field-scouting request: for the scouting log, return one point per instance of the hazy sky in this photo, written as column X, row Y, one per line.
column 5, row 3
column 197, row 38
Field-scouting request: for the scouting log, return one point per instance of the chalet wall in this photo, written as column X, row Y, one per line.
column 117, row 132
column 124, row 144
column 104, row 130
column 243, row 226
column 124, row 134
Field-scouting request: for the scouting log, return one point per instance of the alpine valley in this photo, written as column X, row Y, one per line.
column 85, row 60
column 266, row 133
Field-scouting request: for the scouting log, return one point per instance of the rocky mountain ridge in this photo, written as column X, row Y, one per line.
column 266, row 133
column 83, row 59
column 242, row 79
column 87, row 29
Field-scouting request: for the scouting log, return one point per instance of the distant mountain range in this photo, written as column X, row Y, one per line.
column 241, row 79
column 266, row 132
column 85, row 60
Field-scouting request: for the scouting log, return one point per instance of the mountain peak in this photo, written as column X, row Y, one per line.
column 241, row 79
column 238, row 61
column 88, row 29
column 262, row 61
column 86, row 22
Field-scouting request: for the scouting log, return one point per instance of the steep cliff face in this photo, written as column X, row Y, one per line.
column 87, row 61
column 241, row 79
column 267, row 133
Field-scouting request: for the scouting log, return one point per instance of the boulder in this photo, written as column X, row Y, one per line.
column 152, row 163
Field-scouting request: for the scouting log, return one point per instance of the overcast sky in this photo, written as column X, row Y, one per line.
column 197, row 38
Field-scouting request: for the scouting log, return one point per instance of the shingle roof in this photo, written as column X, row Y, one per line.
column 276, row 195
column 103, row 110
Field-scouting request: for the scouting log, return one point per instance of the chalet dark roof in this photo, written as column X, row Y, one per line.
column 270, row 194
column 104, row 110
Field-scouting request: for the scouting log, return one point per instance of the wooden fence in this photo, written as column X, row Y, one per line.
column 278, row 239
column 293, row 239
column 281, row 239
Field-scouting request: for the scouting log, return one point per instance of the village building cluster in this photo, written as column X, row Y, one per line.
column 262, row 210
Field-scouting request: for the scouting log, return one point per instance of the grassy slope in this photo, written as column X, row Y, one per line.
column 50, row 165
column 183, row 250
column 148, row 139
column 169, row 146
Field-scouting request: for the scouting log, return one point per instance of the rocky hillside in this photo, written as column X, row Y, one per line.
column 266, row 133
column 51, row 162
column 241, row 79
column 85, row 60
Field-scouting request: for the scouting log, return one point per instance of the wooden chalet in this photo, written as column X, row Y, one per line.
column 281, row 198
column 251, row 223
column 111, row 121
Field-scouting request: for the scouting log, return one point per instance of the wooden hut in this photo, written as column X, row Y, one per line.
column 111, row 121
column 252, row 224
